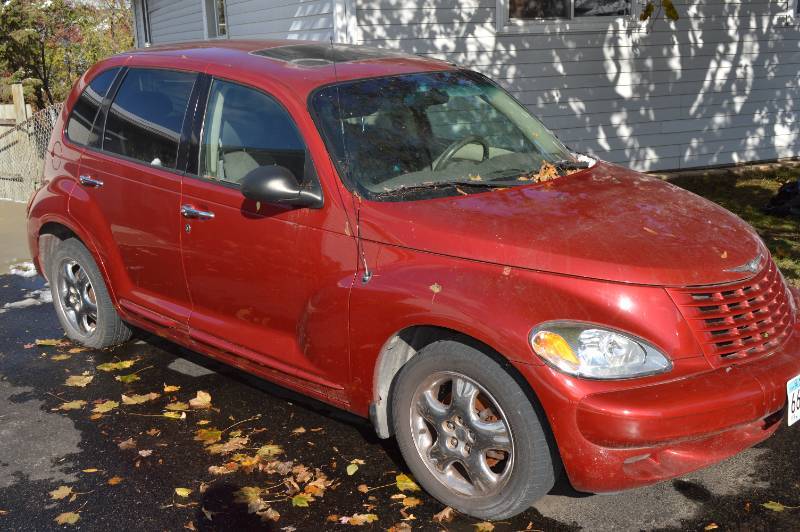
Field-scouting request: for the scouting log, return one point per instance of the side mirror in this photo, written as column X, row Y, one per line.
column 276, row 184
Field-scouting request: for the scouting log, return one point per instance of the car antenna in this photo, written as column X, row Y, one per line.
column 357, row 207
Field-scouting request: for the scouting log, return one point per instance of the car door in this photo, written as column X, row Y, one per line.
column 130, row 187
column 267, row 282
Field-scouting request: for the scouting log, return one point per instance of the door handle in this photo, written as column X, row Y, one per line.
column 189, row 211
column 90, row 182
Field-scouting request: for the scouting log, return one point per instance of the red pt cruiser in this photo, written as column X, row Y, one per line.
column 400, row 238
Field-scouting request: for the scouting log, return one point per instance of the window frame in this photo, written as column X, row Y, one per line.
column 101, row 109
column 213, row 13
column 192, row 167
column 146, row 23
column 183, row 143
column 506, row 25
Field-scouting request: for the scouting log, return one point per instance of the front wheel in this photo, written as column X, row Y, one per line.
column 81, row 298
column 469, row 433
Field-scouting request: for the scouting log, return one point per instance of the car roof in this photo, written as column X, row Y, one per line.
column 301, row 65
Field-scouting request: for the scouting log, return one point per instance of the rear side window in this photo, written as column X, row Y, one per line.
column 244, row 129
column 84, row 112
column 146, row 117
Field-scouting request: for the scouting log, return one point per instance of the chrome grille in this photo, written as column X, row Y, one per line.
column 738, row 320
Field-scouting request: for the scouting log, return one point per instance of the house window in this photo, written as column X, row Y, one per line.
column 567, row 9
column 216, row 19
column 549, row 16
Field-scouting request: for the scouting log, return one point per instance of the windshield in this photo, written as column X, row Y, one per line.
column 443, row 131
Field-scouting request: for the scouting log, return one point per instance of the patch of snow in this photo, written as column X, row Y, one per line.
column 23, row 269
column 585, row 159
column 32, row 299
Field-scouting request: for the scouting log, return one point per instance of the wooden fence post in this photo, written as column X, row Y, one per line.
column 18, row 96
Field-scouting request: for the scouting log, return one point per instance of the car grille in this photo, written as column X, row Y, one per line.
column 740, row 320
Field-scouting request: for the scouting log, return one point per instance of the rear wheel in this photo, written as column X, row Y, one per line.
column 81, row 299
column 469, row 433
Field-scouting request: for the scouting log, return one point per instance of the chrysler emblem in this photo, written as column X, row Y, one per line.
column 751, row 266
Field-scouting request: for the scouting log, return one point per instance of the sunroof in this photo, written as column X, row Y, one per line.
column 312, row 55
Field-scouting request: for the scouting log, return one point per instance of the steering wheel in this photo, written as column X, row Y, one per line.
column 455, row 147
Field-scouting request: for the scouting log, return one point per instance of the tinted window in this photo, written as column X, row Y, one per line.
column 245, row 129
column 82, row 117
column 146, row 117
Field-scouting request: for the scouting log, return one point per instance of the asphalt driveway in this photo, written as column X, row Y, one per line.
column 119, row 469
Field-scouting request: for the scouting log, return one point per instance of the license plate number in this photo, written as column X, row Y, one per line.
column 793, row 391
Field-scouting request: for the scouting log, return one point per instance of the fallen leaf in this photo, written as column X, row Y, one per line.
column 411, row 502
column 251, row 496
column 358, row 519
column 484, row 526
column 435, row 288
column 127, row 379
column 651, row 231
column 52, row 342
column 223, row 469
column 272, row 515
column 351, row 469
column 445, row 516
column 153, row 432
column 95, row 417
column 177, row 406
column 105, row 407
column 299, row 430
column 113, row 481
column 724, row 255
column 202, row 400
column 208, row 436
column 301, row 500
column 406, row 483
column 363, row 488
column 775, row 506
column 144, row 453
column 67, row 518
column 127, row 444
column 203, row 422
column 136, row 399
column 91, row 470
column 175, row 415
column 269, row 450
column 400, row 527
column 72, row 405
column 79, row 380
column 61, row 492
column 59, row 358
column 169, row 389
column 76, row 350
column 711, row 526
column 183, row 492
column 207, row 513
column 233, row 444
column 116, row 366
column 189, row 526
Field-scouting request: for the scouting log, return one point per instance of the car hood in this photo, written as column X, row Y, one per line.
column 605, row 222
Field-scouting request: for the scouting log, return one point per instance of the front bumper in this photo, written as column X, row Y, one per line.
column 642, row 434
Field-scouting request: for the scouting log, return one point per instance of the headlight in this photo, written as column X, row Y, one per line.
column 586, row 350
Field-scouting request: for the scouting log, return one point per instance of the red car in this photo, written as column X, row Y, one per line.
column 400, row 238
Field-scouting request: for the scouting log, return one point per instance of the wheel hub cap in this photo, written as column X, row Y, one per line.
column 77, row 297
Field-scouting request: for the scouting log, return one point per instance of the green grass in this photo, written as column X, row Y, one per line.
column 744, row 191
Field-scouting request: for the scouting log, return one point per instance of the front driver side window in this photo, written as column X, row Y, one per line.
column 244, row 129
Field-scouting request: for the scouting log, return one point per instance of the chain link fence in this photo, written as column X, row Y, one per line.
column 22, row 151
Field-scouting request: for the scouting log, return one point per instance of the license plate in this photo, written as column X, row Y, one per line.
column 793, row 391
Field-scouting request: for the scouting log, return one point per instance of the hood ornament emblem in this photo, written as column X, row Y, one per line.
column 751, row 266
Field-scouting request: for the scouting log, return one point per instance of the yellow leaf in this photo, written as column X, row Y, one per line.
column 203, row 422
column 51, row 342
column 435, row 288
column 61, row 492
column 202, row 400
column 136, row 399
column 299, row 430
column 183, row 492
column 711, row 526
column 233, row 444
column 105, row 407
column 445, row 516
column 169, row 389
column 301, row 500
column 67, row 518
column 485, row 526
column 251, row 496
column 208, row 436
column 351, row 469
column 113, row 481
column 72, row 405
column 359, row 519
column 127, row 379
column 75, row 350
column 406, row 483
column 127, row 444
column 175, row 415
column 410, row 502
column 363, row 488
column 79, row 380
column 774, row 506
column 177, row 406
column 91, row 470
column 58, row 358
column 269, row 450
column 116, row 366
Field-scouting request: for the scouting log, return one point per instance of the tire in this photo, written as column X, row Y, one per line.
column 81, row 298
column 521, row 475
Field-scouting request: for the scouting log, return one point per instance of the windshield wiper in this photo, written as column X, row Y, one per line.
column 570, row 164
column 441, row 184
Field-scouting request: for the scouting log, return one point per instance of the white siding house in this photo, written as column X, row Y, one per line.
column 719, row 86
